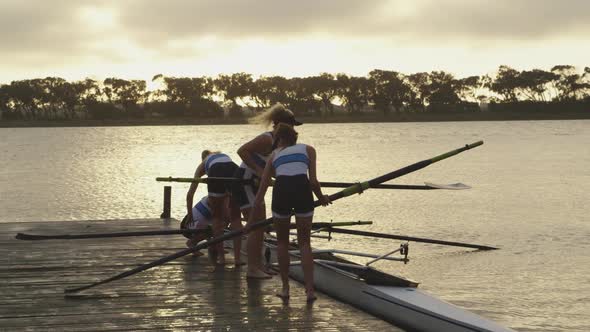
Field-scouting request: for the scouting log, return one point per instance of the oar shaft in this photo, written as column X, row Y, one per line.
column 39, row 237
column 201, row 180
column 378, row 186
column 323, row 184
column 410, row 238
column 360, row 187
column 260, row 224
column 35, row 237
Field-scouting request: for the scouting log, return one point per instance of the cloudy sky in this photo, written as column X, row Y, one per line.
column 140, row 38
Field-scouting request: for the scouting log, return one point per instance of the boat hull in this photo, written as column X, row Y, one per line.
column 406, row 307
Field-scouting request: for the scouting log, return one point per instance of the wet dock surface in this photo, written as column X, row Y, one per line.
column 185, row 294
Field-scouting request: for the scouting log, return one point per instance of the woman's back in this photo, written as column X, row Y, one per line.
column 291, row 160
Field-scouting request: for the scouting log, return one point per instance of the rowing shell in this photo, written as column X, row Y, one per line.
column 392, row 298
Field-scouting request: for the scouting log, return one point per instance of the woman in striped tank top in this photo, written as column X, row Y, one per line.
column 217, row 164
column 202, row 219
column 254, row 155
column 291, row 164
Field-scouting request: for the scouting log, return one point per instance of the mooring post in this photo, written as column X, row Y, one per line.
column 167, row 199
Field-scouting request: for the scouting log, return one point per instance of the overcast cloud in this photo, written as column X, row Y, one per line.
column 65, row 36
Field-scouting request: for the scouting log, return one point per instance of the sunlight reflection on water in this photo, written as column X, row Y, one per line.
column 530, row 191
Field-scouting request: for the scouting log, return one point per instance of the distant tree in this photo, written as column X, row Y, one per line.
column 268, row 90
column 127, row 93
column 568, row 83
column 5, row 107
column 301, row 96
column 191, row 95
column 533, row 84
column 24, row 95
column 467, row 88
column 506, row 83
column 325, row 87
column 419, row 90
column 233, row 88
column 353, row 91
column 389, row 89
column 444, row 89
column 586, row 83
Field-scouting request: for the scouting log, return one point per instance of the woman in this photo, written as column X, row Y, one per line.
column 217, row 164
column 201, row 220
column 254, row 155
column 291, row 163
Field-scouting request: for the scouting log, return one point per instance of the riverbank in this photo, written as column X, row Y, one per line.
column 340, row 118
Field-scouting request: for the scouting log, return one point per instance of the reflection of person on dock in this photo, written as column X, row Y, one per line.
column 217, row 164
column 292, row 194
column 254, row 154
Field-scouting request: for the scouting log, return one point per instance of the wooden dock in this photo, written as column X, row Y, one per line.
column 186, row 294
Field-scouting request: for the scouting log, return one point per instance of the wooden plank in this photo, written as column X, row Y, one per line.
column 186, row 294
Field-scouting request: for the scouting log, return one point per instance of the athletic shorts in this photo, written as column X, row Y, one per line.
column 221, row 170
column 292, row 195
column 245, row 193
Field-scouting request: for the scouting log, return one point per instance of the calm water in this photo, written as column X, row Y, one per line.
column 531, row 188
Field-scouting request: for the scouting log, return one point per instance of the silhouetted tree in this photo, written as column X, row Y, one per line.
column 389, row 89
column 419, row 90
column 353, row 91
column 325, row 87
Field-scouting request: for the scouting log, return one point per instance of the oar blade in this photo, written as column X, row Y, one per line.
column 452, row 186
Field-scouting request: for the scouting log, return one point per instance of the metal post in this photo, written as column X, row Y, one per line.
column 167, row 200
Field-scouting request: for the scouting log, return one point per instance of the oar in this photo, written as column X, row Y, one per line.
column 37, row 237
column 408, row 238
column 355, row 189
column 426, row 186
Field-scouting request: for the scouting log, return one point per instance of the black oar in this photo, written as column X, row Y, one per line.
column 408, row 238
column 35, row 237
column 38, row 237
column 355, row 189
column 427, row 186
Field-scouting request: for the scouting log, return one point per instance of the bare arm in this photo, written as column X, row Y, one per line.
column 264, row 183
column 191, row 191
column 262, row 187
column 261, row 145
column 313, row 179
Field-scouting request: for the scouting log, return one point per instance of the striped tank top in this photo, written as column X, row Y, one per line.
column 292, row 160
column 201, row 211
column 215, row 158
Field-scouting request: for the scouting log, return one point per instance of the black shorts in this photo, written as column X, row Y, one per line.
column 220, row 170
column 244, row 193
column 292, row 195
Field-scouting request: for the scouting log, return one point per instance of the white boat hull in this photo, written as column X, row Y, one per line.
column 406, row 307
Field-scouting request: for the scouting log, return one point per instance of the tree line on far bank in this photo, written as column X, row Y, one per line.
column 563, row 88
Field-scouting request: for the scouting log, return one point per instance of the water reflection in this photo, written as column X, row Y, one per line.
column 530, row 191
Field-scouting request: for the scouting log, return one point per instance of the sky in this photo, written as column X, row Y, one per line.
column 137, row 39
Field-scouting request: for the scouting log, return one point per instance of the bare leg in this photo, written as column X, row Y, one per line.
column 282, row 229
column 236, row 224
column 218, row 205
column 254, row 245
column 303, row 239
